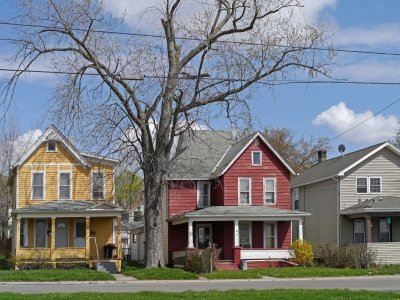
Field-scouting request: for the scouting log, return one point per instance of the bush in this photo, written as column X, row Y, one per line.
column 302, row 253
column 356, row 256
column 198, row 261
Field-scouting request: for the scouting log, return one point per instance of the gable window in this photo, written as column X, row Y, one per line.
column 51, row 147
column 269, row 235
column 384, row 230
column 359, row 231
column 37, row 185
column 244, row 190
column 97, row 185
column 40, row 233
column 245, row 235
column 270, row 190
column 203, row 194
column 295, row 195
column 369, row 185
column 65, row 185
column 256, row 158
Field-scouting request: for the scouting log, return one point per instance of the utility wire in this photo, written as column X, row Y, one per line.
column 201, row 40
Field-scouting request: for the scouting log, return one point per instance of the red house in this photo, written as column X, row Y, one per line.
column 235, row 194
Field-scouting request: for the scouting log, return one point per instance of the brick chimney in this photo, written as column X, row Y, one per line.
column 321, row 156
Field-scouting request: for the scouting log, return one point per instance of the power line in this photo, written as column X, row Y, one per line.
column 203, row 40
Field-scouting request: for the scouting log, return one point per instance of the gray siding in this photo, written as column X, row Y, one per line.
column 346, row 231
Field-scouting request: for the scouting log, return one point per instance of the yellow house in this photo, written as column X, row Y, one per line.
column 63, row 206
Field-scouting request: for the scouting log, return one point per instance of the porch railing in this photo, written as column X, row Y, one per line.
column 264, row 254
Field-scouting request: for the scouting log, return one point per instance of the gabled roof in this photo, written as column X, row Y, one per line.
column 338, row 166
column 375, row 204
column 128, row 226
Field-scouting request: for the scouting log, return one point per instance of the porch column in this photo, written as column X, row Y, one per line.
column 87, row 254
column 190, row 234
column 300, row 229
column 119, row 238
column 368, row 230
column 236, row 232
column 18, row 236
column 53, row 238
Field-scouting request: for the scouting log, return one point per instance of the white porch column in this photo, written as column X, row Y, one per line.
column 190, row 234
column 236, row 231
column 300, row 229
column 87, row 246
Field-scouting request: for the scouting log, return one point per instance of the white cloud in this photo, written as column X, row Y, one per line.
column 340, row 119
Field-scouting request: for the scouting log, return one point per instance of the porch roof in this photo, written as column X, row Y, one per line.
column 375, row 204
column 132, row 226
column 243, row 213
column 70, row 208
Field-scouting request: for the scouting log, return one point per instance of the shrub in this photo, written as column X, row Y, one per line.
column 302, row 253
column 198, row 261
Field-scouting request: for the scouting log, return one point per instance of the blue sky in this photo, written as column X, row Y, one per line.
column 318, row 109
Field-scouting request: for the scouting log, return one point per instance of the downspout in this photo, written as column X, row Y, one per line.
column 338, row 210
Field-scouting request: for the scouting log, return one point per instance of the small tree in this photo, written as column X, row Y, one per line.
column 128, row 188
column 302, row 253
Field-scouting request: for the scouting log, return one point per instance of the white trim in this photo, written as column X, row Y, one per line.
column 275, row 233
column 16, row 188
column 197, row 233
column 59, row 184
column 55, row 146
column 213, row 170
column 250, row 233
column 51, row 165
column 295, row 197
column 44, row 184
column 252, row 158
column 199, row 184
column 81, row 221
column 25, row 233
column 274, row 191
column 104, row 184
column 250, row 186
column 369, row 185
column 45, row 232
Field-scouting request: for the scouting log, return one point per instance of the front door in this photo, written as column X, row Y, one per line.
column 204, row 236
column 61, row 234
column 80, row 234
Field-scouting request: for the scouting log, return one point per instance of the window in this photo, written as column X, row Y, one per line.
column 384, row 230
column 245, row 235
column 295, row 195
column 244, row 190
column 51, row 147
column 203, row 194
column 23, row 234
column 256, row 158
column 38, row 185
column 97, row 185
column 65, row 186
column 269, row 190
column 134, row 238
column 269, row 235
column 369, row 185
column 40, row 233
column 359, row 231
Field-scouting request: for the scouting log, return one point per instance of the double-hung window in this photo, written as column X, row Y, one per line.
column 65, row 185
column 23, row 234
column 270, row 190
column 40, row 233
column 244, row 191
column 359, row 231
column 270, row 235
column 203, row 194
column 369, row 185
column 98, row 185
column 37, row 185
column 245, row 235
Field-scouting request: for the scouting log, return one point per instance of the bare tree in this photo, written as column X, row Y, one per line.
column 204, row 63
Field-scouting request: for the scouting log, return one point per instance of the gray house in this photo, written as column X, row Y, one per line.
column 353, row 198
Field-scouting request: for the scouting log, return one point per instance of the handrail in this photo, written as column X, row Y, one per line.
column 97, row 250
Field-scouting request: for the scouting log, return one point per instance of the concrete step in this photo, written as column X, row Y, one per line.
column 107, row 267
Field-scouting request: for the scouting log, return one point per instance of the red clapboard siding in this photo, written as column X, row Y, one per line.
column 218, row 234
column 227, row 251
column 182, row 197
column 271, row 167
column 217, row 192
column 257, row 233
column 177, row 239
column 284, row 235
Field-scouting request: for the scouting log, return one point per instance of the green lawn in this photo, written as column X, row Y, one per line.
column 158, row 274
column 231, row 294
column 231, row 275
column 54, row 275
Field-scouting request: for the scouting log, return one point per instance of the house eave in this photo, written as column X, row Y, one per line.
column 317, row 180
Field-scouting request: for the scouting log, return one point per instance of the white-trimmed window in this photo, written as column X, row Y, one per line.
column 245, row 234
column 23, row 234
column 203, row 193
column 270, row 190
column 64, row 191
column 51, row 146
column 369, row 185
column 295, row 197
column 256, row 158
column 98, row 185
column 37, row 185
column 270, row 236
column 40, row 233
column 384, row 230
column 244, row 190
column 359, row 231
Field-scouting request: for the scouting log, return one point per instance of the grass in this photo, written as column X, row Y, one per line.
column 231, row 275
column 54, row 275
column 158, row 274
column 283, row 294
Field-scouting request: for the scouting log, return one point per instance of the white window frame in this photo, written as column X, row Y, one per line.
column 250, row 234
column 369, row 184
column 210, row 230
column 104, row 185
column 274, row 191
column 23, row 233
column 275, row 233
column 295, row 197
column 45, row 233
column 354, row 230
column 252, row 158
column 200, row 185
column 44, row 184
column 70, row 184
column 249, row 179
column 55, row 146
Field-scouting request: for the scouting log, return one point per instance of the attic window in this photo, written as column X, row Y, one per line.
column 51, row 146
column 256, row 158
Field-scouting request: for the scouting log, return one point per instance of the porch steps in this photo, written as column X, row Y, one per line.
column 107, row 267
column 227, row 265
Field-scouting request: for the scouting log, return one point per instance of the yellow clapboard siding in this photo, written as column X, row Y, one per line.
column 40, row 156
column 104, row 234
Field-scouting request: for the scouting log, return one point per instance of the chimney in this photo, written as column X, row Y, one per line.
column 321, row 156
